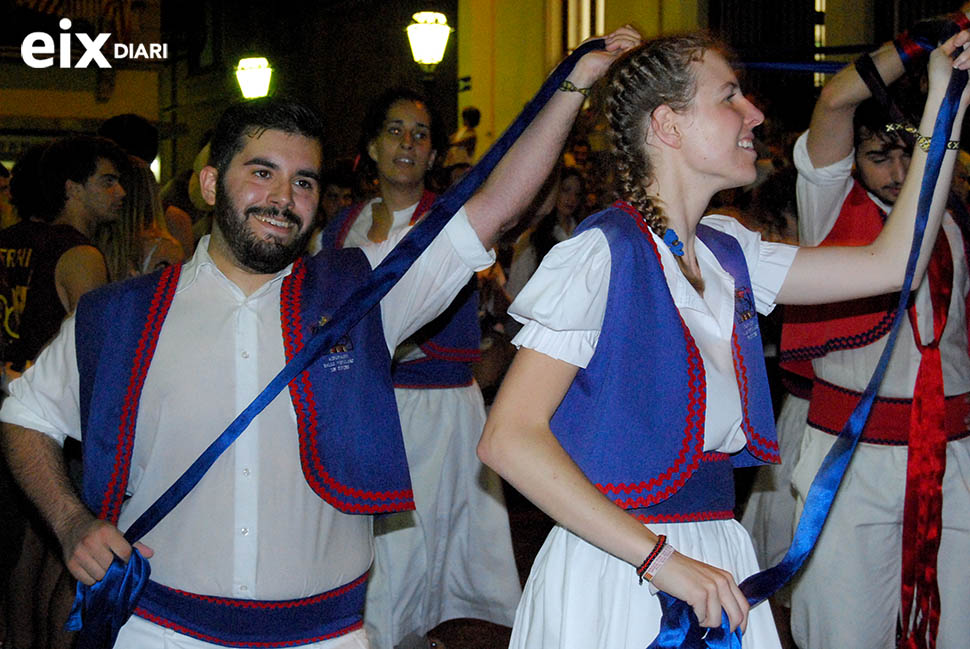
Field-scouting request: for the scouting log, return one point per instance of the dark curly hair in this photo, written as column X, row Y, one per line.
column 658, row 72
column 252, row 118
column 377, row 112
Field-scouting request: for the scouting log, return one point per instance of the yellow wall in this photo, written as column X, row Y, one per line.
column 135, row 91
column 848, row 22
column 501, row 45
column 654, row 17
column 508, row 47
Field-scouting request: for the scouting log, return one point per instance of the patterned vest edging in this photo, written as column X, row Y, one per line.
column 450, row 342
column 813, row 331
column 649, row 443
column 352, row 457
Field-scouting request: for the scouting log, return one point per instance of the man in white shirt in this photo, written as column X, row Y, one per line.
column 848, row 594
column 270, row 521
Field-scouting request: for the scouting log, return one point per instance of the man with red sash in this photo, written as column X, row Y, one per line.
column 891, row 561
column 451, row 557
column 270, row 548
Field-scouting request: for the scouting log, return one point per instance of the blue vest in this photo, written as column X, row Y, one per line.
column 352, row 457
column 450, row 342
column 633, row 419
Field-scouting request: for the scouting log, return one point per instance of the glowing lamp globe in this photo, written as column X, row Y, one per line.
column 253, row 75
column 428, row 35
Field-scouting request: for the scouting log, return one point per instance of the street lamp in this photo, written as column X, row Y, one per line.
column 253, row 75
column 428, row 35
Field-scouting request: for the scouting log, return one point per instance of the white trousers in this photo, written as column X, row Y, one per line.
column 847, row 594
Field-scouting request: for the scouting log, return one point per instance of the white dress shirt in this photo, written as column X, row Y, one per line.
column 252, row 528
column 563, row 305
column 821, row 193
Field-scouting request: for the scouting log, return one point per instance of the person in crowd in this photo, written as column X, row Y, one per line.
column 279, row 516
column 549, row 228
column 139, row 241
column 852, row 170
column 8, row 215
column 63, row 191
column 462, row 142
column 337, row 194
column 451, row 557
column 139, row 138
column 623, row 415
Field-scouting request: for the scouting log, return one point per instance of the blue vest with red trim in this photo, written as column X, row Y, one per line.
column 450, row 342
column 352, row 457
column 633, row 419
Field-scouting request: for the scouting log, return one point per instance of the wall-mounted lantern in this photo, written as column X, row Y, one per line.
column 253, row 75
column 428, row 35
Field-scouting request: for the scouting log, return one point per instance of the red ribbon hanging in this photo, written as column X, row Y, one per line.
column 926, row 464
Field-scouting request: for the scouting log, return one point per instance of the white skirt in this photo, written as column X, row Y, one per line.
column 578, row 596
column 451, row 557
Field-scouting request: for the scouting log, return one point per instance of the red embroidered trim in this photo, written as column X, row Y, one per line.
column 715, row 456
column 427, row 200
column 348, row 223
column 692, row 446
column 304, row 405
column 761, row 447
column 455, row 354
column 855, row 341
column 161, row 301
column 684, row 518
column 142, row 613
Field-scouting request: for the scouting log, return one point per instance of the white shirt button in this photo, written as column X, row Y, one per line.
column 244, row 587
column 244, row 531
column 246, row 472
column 245, row 354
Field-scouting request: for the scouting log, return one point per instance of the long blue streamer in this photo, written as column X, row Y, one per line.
column 825, row 67
column 100, row 610
column 679, row 626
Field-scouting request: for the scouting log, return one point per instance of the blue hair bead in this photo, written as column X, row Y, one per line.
column 676, row 245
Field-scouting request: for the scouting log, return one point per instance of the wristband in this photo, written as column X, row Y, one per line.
column 922, row 141
column 569, row 86
column 655, row 560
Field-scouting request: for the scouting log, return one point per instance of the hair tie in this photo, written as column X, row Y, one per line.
column 676, row 245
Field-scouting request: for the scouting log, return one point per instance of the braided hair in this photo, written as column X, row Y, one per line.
column 659, row 72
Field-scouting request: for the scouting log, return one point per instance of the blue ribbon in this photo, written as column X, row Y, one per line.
column 825, row 67
column 679, row 626
column 100, row 610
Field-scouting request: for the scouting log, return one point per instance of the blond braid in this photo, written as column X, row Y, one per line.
column 654, row 74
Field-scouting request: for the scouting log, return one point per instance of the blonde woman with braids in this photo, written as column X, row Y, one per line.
column 139, row 242
column 636, row 388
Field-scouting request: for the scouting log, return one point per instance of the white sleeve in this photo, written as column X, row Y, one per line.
column 563, row 305
column 45, row 398
column 433, row 280
column 768, row 261
column 819, row 192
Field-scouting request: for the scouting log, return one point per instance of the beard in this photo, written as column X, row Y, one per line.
column 262, row 256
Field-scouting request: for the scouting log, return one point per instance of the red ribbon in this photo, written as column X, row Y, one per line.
column 926, row 463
